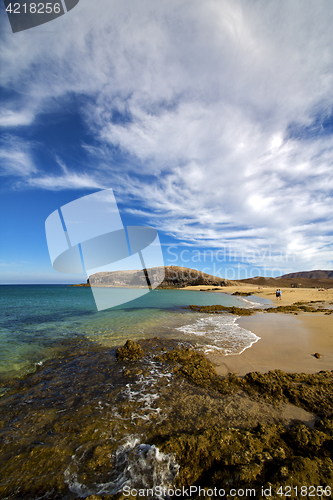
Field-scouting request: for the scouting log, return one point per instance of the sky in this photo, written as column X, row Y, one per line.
column 211, row 120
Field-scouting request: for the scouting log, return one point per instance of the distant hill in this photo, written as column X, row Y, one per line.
column 303, row 279
column 180, row 277
column 314, row 275
column 174, row 277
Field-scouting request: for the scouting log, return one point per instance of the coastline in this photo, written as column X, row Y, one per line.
column 287, row 342
column 156, row 414
column 289, row 295
column 169, row 408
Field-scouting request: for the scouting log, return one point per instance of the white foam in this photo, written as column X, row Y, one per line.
column 251, row 302
column 220, row 333
column 134, row 465
column 140, row 466
column 145, row 392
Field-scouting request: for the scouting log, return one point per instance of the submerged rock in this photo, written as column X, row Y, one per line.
column 217, row 309
column 130, row 351
column 298, row 307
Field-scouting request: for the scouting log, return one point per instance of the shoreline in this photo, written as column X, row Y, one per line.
column 287, row 342
column 90, row 406
column 289, row 295
column 159, row 406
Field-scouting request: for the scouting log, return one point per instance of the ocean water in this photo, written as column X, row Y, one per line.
column 37, row 322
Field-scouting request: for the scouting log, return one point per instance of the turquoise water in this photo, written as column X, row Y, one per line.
column 37, row 322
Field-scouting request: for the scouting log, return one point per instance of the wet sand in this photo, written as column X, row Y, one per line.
column 287, row 343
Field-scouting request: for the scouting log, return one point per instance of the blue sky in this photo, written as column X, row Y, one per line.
column 211, row 121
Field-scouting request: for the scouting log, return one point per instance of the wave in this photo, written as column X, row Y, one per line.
column 134, row 465
column 219, row 334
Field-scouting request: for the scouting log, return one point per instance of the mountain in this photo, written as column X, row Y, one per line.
column 303, row 279
column 314, row 275
column 180, row 277
column 174, row 277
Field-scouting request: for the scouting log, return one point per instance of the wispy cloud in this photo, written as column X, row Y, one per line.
column 11, row 118
column 199, row 99
column 15, row 156
column 65, row 182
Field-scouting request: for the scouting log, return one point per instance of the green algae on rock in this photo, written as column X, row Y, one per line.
column 269, row 456
column 85, row 406
column 191, row 364
column 298, row 307
column 218, row 309
column 242, row 311
column 266, row 457
column 312, row 392
column 62, row 426
column 130, row 351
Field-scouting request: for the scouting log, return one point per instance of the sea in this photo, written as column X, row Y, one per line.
column 74, row 420
column 36, row 321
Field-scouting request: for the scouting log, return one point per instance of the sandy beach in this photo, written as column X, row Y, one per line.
column 289, row 295
column 287, row 342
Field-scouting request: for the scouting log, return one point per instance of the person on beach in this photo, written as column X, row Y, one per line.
column 278, row 294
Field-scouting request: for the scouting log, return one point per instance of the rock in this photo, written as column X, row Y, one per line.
column 130, row 351
column 191, row 364
column 165, row 277
column 240, row 311
column 317, row 355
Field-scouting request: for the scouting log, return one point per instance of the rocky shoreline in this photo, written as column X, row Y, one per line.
column 261, row 430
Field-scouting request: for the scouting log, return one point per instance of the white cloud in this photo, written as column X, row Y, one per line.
column 210, row 91
column 15, row 156
column 11, row 118
column 66, row 181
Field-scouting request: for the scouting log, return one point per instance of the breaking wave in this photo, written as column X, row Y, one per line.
column 219, row 334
